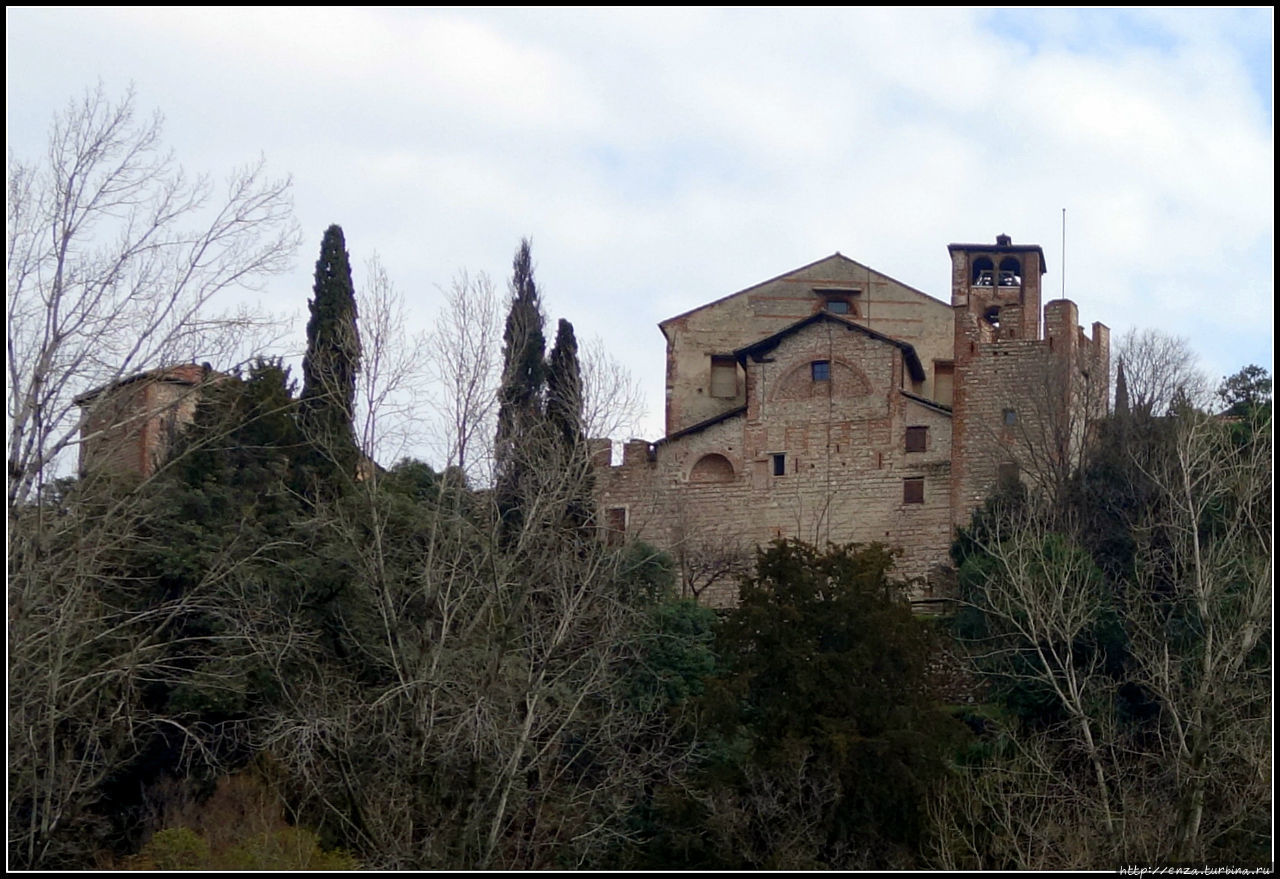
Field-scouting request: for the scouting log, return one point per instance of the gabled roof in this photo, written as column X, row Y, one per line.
column 835, row 256
column 755, row 349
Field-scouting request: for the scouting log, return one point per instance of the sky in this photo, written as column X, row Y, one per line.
column 660, row 159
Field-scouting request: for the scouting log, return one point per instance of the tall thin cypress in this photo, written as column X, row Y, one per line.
column 332, row 360
column 521, row 392
column 564, row 387
column 564, row 418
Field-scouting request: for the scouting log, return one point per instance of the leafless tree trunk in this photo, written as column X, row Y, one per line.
column 115, row 263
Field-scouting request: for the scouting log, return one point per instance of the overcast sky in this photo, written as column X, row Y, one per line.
column 662, row 159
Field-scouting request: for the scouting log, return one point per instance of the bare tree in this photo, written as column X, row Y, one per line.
column 613, row 403
column 488, row 727
column 1199, row 615
column 1042, row 596
column 116, row 261
column 392, row 383
column 465, row 363
column 1159, row 368
column 1192, row 609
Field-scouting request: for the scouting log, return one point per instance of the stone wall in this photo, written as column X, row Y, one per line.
column 823, row 455
column 875, row 300
column 715, row 492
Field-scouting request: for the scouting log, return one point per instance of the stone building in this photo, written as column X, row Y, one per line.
column 127, row 426
column 834, row 403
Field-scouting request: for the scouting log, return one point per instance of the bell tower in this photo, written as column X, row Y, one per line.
column 995, row 292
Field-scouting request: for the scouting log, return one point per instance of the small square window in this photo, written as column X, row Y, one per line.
column 1010, row 417
column 838, row 306
column 917, row 439
column 821, row 370
column 780, row 465
column 913, row 490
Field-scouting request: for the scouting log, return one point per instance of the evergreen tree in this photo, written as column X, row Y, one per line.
column 520, row 395
column 564, row 419
column 564, row 387
column 332, row 360
column 1122, row 390
column 824, row 741
column 1247, row 391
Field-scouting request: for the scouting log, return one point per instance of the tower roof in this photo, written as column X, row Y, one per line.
column 1004, row 244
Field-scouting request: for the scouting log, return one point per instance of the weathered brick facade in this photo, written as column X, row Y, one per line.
column 127, row 426
column 834, row 403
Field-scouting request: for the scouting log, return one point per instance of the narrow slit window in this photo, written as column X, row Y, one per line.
column 615, row 525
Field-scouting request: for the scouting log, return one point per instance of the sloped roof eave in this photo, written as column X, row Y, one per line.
column 788, row 273
column 926, row 402
column 701, row 425
column 770, row 342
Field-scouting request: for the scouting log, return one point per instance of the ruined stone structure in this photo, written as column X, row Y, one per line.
column 834, row 403
column 127, row 426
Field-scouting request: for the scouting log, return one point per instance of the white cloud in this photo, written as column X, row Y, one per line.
column 664, row 158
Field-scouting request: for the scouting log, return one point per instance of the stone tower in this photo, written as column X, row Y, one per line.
column 1023, row 397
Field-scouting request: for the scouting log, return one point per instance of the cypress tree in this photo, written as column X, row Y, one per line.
column 564, row 387
column 332, row 360
column 521, row 392
column 1122, row 390
column 564, row 419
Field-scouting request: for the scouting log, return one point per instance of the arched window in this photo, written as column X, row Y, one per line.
column 1010, row 272
column 983, row 272
column 712, row 468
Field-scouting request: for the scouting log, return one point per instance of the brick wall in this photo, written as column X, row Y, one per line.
column 711, row 491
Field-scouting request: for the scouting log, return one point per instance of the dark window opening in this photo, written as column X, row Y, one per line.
column 780, row 465
column 992, row 316
column 1010, row 417
column 917, row 439
column 913, row 490
column 1010, row 272
column 615, row 519
column 821, row 370
column 982, row 273
column 837, row 306
column 1007, row 475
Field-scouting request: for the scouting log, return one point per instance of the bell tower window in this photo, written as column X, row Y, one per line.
column 983, row 272
column 1010, row 272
